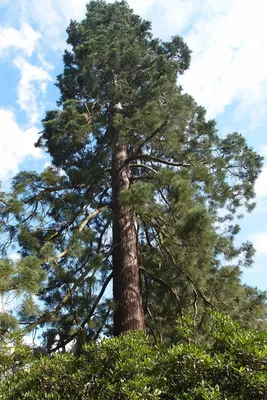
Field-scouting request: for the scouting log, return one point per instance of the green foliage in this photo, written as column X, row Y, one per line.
column 7, row 323
column 119, row 83
column 14, row 355
column 22, row 278
column 24, row 274
column 232, row 366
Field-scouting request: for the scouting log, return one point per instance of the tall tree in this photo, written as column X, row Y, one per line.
column 136, row 189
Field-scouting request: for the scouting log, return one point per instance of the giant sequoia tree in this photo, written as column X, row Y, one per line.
column 135, row 193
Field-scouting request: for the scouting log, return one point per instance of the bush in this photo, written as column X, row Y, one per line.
column 233, row 365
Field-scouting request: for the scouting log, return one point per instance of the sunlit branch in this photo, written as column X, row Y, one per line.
column 83, row 224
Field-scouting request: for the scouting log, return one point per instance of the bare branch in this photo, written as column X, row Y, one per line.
column 218, row 298
column 102, row 325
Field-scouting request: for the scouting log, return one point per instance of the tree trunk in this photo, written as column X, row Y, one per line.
column 127, row 292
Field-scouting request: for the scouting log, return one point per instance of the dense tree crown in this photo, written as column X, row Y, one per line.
column 142, row 194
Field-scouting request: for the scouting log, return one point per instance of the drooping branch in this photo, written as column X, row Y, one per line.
column 218, row 298
column 102, row 233
column 190, row 280
column 163, row 197
column 163, row 283
column 196, row 296
column 47, row 316
column 89, row 316
column 153, row 134
column 58, row 188
column 102, row 325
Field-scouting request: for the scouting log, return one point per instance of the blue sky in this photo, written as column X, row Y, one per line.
column 228, row 76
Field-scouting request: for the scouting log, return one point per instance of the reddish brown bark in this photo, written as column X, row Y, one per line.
column 127, row 291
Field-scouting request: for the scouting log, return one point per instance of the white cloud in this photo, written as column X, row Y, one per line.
column 229, row 63
column 47, row 164
column 33, row 82
column 14, row 256
column 16, row 145
column 260, row 242
column 263, row 150
column 29, row 340
column 261, row 184
column 25, row 39
column 228, row 39
column 142, row 6
column 52, row 18
column 168, row 17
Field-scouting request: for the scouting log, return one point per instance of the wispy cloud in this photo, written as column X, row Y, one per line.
column 52, row 18
column 229, row 63
column 260, row 242
column 16, row 145
column 168, row 17
column 261, row 184
column 24, row 39
column 33, row 82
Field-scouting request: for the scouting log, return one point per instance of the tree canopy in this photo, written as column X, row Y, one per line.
column 143, row 194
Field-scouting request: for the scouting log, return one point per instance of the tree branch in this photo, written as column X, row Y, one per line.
column 199, row 291
column 149, row 157
column 163, row 283
column 3, row 201
column 143, row 166
column 139, row 148
column 101, row 327
column 85, row 321
column 47, row 316
column 83, row 224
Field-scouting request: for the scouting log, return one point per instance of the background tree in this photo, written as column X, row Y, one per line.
column 135, row 193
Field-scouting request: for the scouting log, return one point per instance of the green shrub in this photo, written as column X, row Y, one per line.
column 233, row 365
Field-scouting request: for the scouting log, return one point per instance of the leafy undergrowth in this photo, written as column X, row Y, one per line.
column 232, row 365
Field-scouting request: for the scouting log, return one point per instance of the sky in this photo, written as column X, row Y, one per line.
column 228, row 76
